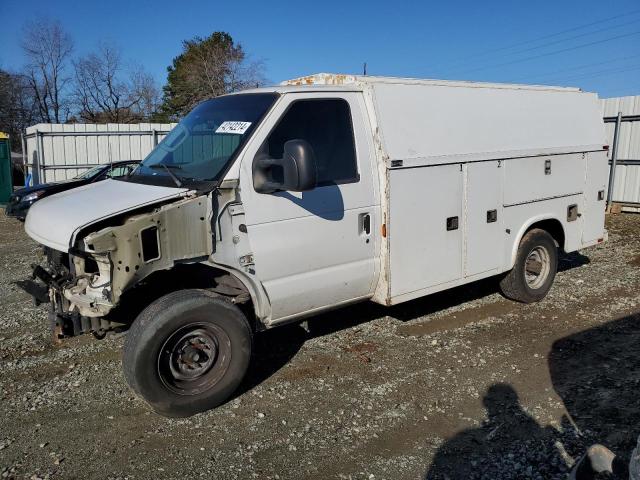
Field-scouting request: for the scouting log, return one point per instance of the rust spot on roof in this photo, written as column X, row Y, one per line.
column 321, row 79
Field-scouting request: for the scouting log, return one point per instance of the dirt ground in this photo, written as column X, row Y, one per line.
column 462, row 384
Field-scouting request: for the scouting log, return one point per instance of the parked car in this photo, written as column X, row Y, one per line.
column 22, row 199
column 267, row 206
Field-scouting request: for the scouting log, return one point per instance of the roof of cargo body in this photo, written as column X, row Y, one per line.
column 428, row 122
column 302, row 88
column 331, row 82
column 334, row 79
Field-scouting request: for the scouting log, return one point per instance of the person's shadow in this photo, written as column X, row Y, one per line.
column 508, row 444
column 596, row 373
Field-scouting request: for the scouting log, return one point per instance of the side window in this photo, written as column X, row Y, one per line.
column 326, row 125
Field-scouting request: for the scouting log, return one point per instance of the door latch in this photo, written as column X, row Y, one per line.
column 452, row 223
column 365, row 223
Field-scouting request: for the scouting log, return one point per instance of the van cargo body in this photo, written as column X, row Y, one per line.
column 460, row 150
column 273, row 204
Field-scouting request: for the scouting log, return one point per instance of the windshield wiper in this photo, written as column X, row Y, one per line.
column 168, row 168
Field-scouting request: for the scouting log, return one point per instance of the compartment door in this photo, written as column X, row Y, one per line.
column 425, row 227
column 484, row 219
column 595, row 193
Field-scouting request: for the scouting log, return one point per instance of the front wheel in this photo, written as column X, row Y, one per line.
column 187, row 352
column 535, row 269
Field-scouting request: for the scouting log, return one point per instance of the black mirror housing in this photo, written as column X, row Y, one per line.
column 299, row 162
column 296, row 171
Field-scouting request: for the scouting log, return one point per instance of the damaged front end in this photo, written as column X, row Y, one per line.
column 84, row 285
column 70, row 283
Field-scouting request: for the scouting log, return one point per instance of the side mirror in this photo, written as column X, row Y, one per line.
column 296, row 171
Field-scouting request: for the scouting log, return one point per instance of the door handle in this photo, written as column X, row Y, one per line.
column 364, row 221
column 452, row 223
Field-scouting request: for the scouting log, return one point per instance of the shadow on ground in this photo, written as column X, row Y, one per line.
column 567, row 261
column 509, row 444
column 596, row 372
column 275, row 348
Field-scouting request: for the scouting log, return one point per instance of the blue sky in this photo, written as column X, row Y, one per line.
column 472, row 40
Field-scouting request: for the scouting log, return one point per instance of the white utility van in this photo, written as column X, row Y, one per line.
column 273, row 204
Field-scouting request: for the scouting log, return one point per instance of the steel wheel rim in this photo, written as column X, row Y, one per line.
column 194, row 358
column 537, row 267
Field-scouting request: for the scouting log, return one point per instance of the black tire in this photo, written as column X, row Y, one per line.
column 187, row 352
column 521, row 283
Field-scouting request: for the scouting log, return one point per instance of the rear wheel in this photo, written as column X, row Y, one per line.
column 535, row 268
column 187, row 352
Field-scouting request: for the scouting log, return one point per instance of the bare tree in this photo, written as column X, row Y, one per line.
column 145, row 89
column 48, row 50
column 17, row 107
column 244, row 74
column 105, row 91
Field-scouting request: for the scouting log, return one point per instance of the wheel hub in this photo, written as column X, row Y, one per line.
column 537, row 267
column 193, row 354
column 194, row 358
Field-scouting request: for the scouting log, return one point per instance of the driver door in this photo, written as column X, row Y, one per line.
column 317, row 248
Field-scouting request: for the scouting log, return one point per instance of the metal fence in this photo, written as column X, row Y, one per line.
column 622, row 125
column 56, row 152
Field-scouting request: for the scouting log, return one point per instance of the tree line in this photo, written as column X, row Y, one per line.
column 57, row 86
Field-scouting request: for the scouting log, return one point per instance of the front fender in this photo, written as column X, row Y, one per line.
column 259, row 297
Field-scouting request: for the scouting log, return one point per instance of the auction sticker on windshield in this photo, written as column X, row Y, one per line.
column 233, row 127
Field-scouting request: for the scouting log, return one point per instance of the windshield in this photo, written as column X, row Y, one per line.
column 92, row 172
column 203, row 144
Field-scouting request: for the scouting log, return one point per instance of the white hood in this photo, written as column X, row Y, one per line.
column 54, row 220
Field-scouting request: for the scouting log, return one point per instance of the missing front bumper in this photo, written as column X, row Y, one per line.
column 72, row 325
column 65, row 317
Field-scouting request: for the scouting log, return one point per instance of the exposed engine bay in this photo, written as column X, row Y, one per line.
column 85, row 284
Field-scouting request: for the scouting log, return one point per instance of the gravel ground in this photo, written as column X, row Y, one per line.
column 462, row 384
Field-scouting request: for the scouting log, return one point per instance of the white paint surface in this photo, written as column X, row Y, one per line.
column 423, row 253
column 484, row 242
column 426, row 123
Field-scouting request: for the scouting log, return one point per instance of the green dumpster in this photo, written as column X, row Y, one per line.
column 6, row 187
